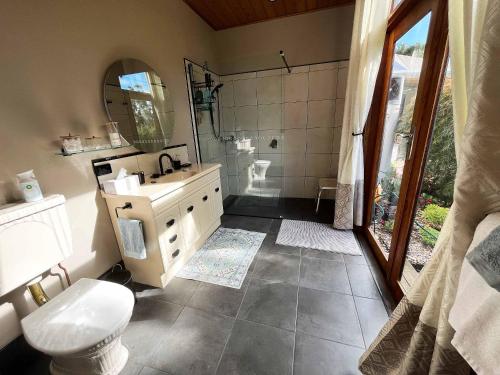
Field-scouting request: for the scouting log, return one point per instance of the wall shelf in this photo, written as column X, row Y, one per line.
column 61, row 153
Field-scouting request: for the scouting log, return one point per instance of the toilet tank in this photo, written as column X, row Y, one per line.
column 34, row 237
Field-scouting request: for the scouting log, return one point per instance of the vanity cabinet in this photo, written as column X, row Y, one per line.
column 179, row 212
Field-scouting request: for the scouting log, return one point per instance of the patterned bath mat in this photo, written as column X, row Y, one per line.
column 225, row 258
column 319, row 236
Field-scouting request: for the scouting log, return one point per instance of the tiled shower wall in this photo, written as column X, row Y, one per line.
column 301, row 110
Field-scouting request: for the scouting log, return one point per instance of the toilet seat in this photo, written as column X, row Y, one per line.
column 86, row 314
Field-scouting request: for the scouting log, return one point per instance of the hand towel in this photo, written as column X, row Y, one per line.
column 132, row 236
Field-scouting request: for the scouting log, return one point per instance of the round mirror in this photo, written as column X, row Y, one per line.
column 137, row 98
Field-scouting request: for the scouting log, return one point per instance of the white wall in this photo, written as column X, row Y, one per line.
column 54, row 55
column 306, row 39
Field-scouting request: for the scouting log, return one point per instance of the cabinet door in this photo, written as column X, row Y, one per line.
column 216, row 192
column 205, row 215
column 190, row 209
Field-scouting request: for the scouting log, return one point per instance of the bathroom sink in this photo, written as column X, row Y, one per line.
column 172, row 177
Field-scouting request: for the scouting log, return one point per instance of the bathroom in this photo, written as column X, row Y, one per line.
column 254, row 95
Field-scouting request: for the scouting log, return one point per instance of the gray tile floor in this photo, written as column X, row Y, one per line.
column 299, row 311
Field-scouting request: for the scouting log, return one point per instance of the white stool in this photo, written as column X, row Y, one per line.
column 325, row 184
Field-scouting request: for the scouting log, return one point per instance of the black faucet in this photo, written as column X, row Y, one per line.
column 160, row 160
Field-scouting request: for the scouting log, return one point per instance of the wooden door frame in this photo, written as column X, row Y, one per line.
column 407, row 14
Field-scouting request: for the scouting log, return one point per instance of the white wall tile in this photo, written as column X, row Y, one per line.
column 324, row 66
column 311, row 187
column 246, row 117
column 245, row 92
column 269, row 90
column 272, row 187
column 269, row 116
column 230, row 145
column 228, row 121
column 295, row 115
column 293, row 187
column 296, row 69
column 269, row 73
column 227, row 94
column 311, row 190
column 244, row 163
column 296, row 87
column 320, row 140
column 294, row 141
column 232, row 165
column 294, row 165
column 318, row 165
column 339, row 112
column 265, row 139
column 335, row 165
column 233, row 184
column 239, row 76
column 253, row 135
column 224, row 187
column 323, row 84
column 275, row 169
column 321, row 113
column 342, row 83
column 337, row 136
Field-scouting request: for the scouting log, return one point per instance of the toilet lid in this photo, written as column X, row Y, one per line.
column 78, row 318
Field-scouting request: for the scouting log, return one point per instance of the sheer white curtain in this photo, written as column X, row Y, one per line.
column 417, row 338
column 368, row 35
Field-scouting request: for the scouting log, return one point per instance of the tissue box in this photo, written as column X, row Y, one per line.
column 124, row 186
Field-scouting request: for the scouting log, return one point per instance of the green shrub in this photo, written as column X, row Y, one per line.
column 389, row 225
column 435, row 215
column 429, row 235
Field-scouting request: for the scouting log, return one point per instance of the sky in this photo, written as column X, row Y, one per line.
column 135, row 82
column 418, row 33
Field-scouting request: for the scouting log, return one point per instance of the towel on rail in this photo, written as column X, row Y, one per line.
column 474, row 314
column 132, row 235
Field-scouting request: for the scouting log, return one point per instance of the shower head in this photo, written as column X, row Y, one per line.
column 216, row 89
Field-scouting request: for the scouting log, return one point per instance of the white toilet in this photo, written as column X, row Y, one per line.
column 260, row 169
column 82, row 326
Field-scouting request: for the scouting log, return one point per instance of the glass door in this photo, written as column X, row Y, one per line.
column 400, row 129
column 436, row 188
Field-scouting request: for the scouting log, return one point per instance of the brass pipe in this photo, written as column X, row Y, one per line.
column 38, row 294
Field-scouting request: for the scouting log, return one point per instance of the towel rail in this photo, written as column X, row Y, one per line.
column 126, row 206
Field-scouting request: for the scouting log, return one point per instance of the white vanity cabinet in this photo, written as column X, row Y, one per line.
column 179, row 212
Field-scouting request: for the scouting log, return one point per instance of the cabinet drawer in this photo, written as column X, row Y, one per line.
column 169, row 229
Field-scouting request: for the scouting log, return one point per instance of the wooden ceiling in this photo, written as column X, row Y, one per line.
column 223, row 14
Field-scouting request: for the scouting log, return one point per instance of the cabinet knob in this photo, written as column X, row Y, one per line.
column 217, row 189
column 170, row 223
column 205, row 197
column 173, row 238
column 175, row 253
column 190, row 208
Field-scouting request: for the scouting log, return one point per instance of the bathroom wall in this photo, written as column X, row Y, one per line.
column 54, row 55
column 301, row 110
column 306, row 39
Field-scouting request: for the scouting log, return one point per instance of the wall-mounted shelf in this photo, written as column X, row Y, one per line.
column 91, row 150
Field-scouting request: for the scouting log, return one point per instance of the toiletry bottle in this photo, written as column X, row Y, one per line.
column 29, row 186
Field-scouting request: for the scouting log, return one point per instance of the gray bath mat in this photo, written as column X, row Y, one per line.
column 319, row 236
column 225, row 258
